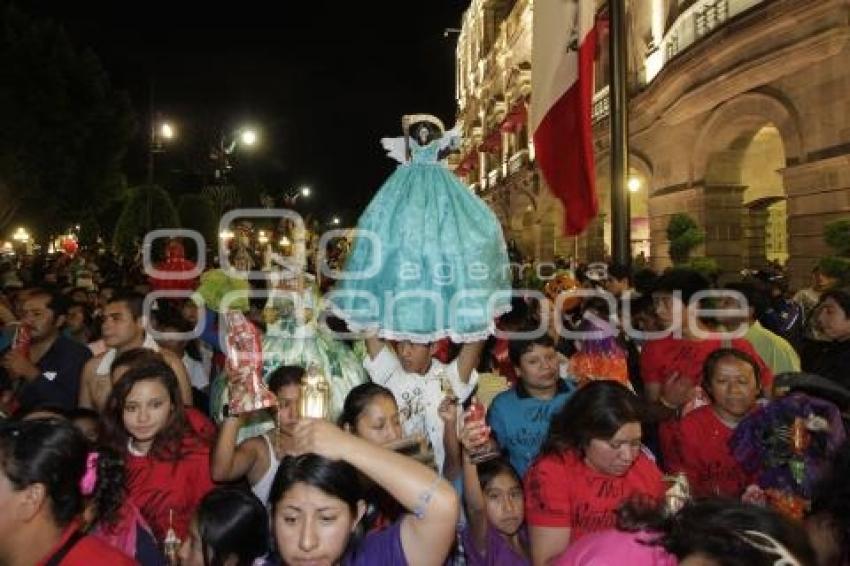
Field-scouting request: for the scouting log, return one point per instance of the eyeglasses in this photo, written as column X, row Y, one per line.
column 768, row 544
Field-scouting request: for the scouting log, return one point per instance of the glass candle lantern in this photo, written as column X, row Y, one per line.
column 315, row 394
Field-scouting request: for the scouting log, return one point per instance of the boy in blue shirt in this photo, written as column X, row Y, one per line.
column 519, row 417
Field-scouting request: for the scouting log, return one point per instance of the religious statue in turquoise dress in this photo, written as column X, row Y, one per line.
column 294, row 336
column 429, row 259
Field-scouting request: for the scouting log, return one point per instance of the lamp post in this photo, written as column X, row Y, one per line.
column 290, row 197
column 22, row 239
column 227, row 145
column 162, row 132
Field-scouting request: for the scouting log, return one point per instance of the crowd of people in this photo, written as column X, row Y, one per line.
column 656, row 438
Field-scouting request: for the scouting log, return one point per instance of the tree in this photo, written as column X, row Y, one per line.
column 836, row 234
column 148, row 208
column 684, row 235
column 196, row 213
column 65, row 129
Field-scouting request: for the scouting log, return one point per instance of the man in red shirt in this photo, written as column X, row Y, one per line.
column 671, row 367
column 698, row 444
column 41, row 464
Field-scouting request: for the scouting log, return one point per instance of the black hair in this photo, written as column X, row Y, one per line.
column 840, row 296
column 644, row 280
column 686, row 281
column 110, row 488
column 57, row 411
column 716, row 356
column 434, row 131
column 597, row 410
column 518, row 347
column 336, row 478
column 717, row 529
column 285, row 375
column 87, row 312
column 57, row 303
column 619, row 271
column 174, row 321
column 82, row 413
column 51, row 452
column 232, row 522
column 831, row 500
column 136, row 357
column 134, row 301
column 756, row 298
column 358, row 399
column 488, row 470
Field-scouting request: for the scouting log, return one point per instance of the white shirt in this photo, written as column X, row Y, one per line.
column 419, row 396
column 199, row 378
column 105, row 364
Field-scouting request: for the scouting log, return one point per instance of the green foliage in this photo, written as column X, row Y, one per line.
column 706, row 266
column 838, row 267
column 684, row 235
column 836, row 234
column 196, row 213
column 65, row 130
column 148, row 208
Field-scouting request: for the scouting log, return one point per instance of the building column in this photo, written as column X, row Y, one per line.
column 818, row 193
column 722, row 208
column 754, row 221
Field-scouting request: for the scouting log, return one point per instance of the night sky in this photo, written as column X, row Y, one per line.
column 324, row 81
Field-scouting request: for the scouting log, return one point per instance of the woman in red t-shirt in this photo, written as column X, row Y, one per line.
column 168, row 462
column 591, row 461
column 698, row 443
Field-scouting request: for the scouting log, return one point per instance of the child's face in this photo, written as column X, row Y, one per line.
column 733, row 388
column 414, row 358
column 147, row 409
column 538, row 368
column 504, row 504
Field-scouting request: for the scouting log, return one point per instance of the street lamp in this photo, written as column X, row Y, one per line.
column 293, row 195
column 21, row 235
column 633, row 184
column 166, row 131
column 161, row 131
column 249, row 137
column 335, row 221
column 246, row 136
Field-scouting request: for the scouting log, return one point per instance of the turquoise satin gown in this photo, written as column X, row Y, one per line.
column 428, row 261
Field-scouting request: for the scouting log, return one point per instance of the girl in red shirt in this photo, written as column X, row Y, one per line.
column 168, row 462
column 591, row 462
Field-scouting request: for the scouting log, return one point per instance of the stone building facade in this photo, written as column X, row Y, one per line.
column 739, row 116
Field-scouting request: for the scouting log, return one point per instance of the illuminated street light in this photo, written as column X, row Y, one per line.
column 633, row 184
column 166, row 131
column 21, row 235
column 262, row 238
column 248, row 137
column 291, row 196
column 226, row 235
column 284, row 241
column 335, row 221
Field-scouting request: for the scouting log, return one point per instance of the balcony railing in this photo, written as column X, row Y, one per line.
column 517, row 160
column 600, row 108
column 699, row 20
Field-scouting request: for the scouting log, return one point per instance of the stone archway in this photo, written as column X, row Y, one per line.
column 640, row 179
column 736, row 164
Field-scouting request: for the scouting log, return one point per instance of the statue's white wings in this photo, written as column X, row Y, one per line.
column 395, row 148
column 451, row 138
